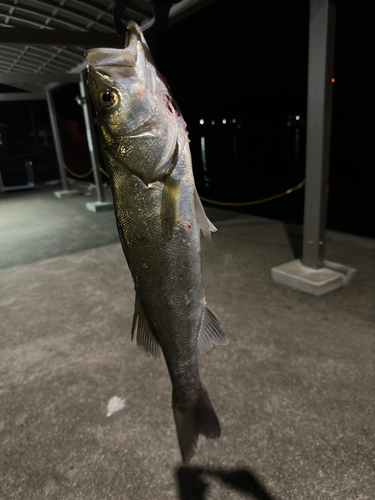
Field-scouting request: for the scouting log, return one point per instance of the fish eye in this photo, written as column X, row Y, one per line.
column 107, row 99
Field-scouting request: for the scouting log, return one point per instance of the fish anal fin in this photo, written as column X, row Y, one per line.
column 145, row 338
column 211, row 331
column 204, row 224
column 169, row 206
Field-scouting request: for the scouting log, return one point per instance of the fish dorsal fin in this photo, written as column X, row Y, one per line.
column 211, row 331
column 145, row 338
column 204, row 224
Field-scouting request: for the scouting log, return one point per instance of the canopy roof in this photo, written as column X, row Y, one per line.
column 45, row 37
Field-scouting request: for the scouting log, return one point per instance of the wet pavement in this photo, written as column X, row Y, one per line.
column 294, row 389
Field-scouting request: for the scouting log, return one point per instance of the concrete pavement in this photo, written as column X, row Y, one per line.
column 294, row 389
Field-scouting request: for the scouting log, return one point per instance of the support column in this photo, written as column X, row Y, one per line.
column 319, row 110
column 101, row 204
column 66, row 192
column 313, row 274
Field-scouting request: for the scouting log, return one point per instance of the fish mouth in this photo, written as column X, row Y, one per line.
column 113, row 60
column 141, row 133
column 127, row 38
column 146, row 131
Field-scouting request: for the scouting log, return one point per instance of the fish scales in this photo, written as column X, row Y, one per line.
column 159, row 217
column 163, row 275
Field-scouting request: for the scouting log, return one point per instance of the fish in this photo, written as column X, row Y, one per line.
column 159, row 215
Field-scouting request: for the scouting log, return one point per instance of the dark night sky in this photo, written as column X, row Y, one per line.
column 222, row 57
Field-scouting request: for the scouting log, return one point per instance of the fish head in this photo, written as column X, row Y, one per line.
column 137, row 121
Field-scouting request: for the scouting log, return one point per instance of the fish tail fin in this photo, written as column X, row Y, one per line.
column 192, row 421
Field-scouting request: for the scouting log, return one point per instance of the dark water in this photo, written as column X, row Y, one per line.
column 251, row 163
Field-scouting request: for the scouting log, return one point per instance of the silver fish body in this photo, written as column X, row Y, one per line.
column 159, row 216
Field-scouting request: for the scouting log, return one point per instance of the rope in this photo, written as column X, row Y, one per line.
column 81, row 176
column 223, row 203
column 246, row 203
column 77, row 175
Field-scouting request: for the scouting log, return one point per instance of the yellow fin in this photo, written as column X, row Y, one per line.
column 169, row 206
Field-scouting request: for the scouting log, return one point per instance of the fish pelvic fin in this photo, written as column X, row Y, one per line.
column 192, row 421
column 145, row 338
column 211, row 331
column 169, row 207
column 204, row 224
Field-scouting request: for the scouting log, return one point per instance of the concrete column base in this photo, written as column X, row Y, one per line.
column 66, row 194
column 99, row 206
column 314, row 281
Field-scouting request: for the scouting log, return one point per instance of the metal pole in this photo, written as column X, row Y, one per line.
column 56, row 139
column 91, row 139
column 319, row 103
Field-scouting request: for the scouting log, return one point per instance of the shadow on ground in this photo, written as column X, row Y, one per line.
column 294, row 233
column 192, row 482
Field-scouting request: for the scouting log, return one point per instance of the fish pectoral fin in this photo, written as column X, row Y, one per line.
column 169, row 206
column 203, row 222
column 145, row 338
column 211, row 331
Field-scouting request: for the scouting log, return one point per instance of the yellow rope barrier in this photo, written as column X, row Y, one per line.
column 77, row 175
column 246, row 203
column 223, row 203
column 81, row 176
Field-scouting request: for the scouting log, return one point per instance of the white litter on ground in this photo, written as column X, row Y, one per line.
column 115, row 404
